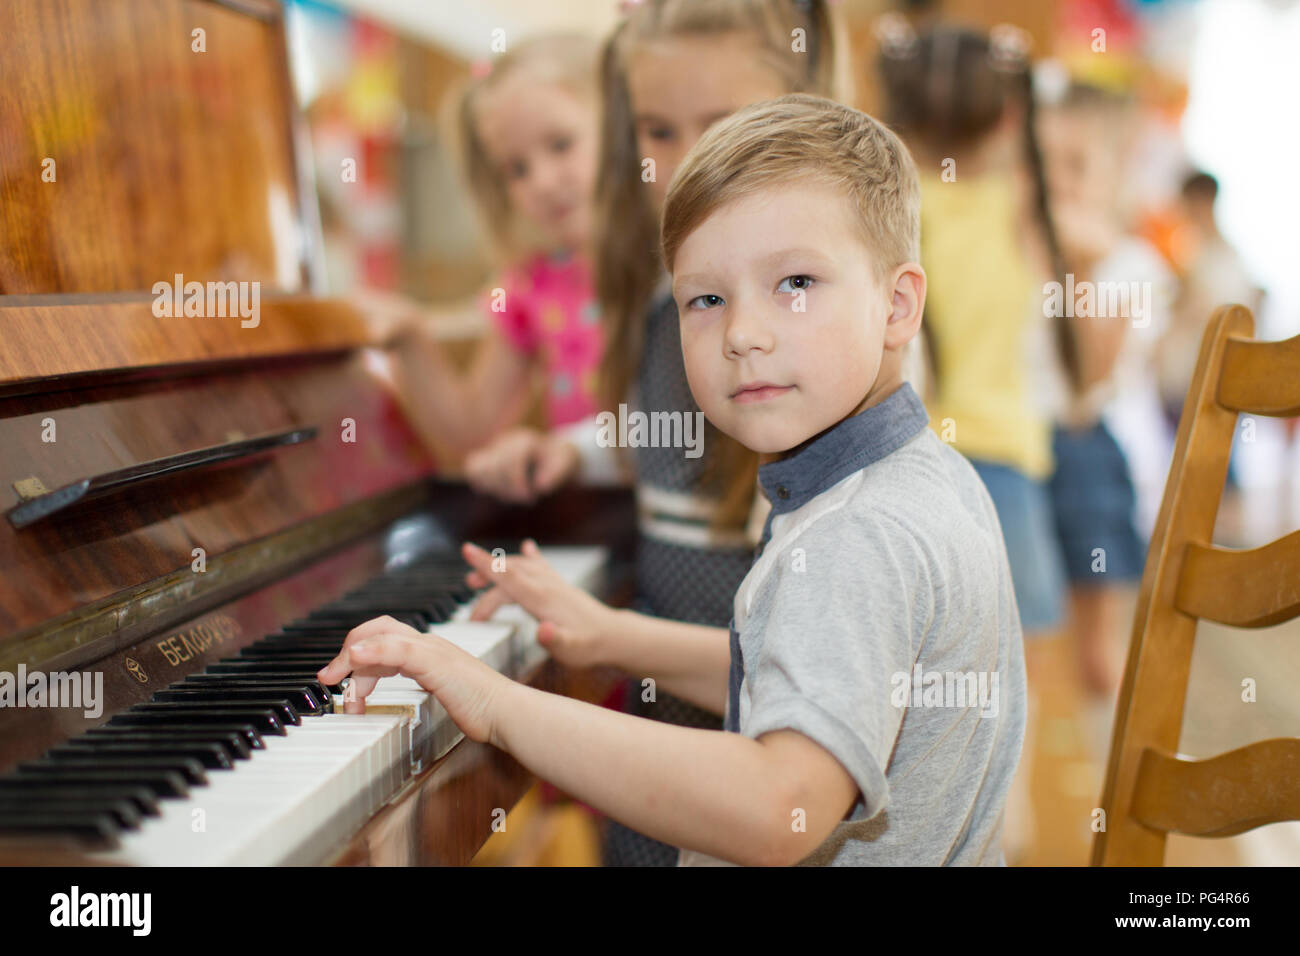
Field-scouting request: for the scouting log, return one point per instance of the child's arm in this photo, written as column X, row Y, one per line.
column 449, row 408
column 687, row 660
column 767, row 801
column 454, row 409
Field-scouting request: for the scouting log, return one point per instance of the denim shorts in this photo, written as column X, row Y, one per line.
column 1024, row 510
column 1093, row 502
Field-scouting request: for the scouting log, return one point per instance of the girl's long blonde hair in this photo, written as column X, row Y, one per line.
column 566, row 59
column 627, row 255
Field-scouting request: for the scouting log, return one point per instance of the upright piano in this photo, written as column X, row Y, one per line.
column 204, row 487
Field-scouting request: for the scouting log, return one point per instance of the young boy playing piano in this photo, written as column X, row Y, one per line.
column 873, row 679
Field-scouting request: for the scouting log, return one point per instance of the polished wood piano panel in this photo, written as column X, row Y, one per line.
column 165, row 160
column 132, row 440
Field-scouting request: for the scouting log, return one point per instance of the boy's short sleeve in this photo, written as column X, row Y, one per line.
column 838, row 619
column 514, row 313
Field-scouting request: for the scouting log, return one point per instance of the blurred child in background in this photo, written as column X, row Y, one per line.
column 1128, row 288
column 963, row 101
column 671, row 70
column 527, row 143
column 1213, row 275
column 526, row 137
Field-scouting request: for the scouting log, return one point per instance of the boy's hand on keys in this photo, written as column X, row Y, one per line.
column 469, row 690
column 572, row 625
column 521, row 465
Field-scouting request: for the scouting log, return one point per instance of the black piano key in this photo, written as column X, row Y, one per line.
column 311, row 685
column 310, row 694
column 310, row 664
column 268, row 667
column 189, row 769
column 164, row 783
column 301, row 703
column 312, row 651
column 305, row 672
column 238, row 742
column 365, row 609
column 419, row 587
column 309, row 641
column 124, row 813
column 417, row 618
column 38, row 789
column 429, row 611
column 268, row 716
column 211, row 756
column 296, row 638
column 348, row 621
column 245, row 721
column 96, row 831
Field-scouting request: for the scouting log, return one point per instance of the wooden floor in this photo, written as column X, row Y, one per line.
column 1070, row 741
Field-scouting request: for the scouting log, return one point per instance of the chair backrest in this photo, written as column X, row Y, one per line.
column 1150, row 790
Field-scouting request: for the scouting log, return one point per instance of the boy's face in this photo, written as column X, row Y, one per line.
column 785, row 329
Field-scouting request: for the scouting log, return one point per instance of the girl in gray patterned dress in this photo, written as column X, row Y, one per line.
column 670, row 70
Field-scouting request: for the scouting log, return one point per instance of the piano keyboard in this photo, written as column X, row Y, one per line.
column 247, row 763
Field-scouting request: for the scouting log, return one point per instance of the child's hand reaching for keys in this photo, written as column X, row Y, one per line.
column 471, row 692
column 572, row 625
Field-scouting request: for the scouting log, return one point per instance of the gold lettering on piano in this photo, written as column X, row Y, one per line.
column 188, row 644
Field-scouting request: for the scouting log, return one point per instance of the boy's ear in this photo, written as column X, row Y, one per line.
column 907, row 301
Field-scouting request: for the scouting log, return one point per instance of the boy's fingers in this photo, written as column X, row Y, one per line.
column 397, row 653
column 478, row 559
column 335, row 670
column 339, row 668
column 546, row 633
column 376, row 625
column 488, row 603
column 343, row 662
column 483, row 564
column 355, row 694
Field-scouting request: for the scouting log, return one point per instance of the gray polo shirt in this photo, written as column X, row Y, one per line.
column 879, row 621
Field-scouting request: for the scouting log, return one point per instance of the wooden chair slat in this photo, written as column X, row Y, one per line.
column 1223, row 795
column 1255, row 588
column 1261, row 378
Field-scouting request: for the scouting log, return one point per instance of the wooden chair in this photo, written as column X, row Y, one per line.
column 1150, row 790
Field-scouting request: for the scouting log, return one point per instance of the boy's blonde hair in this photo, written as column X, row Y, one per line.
column 805, row 139
column 568, row 60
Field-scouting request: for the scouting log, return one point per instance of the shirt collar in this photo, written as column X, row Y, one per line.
column 847, row 447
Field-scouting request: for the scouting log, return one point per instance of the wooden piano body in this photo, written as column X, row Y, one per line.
column 128, row 159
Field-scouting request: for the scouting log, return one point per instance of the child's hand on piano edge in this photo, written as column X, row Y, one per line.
column 470, row 690
column 521, row 465
column 573, row 626
column 388, row 315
